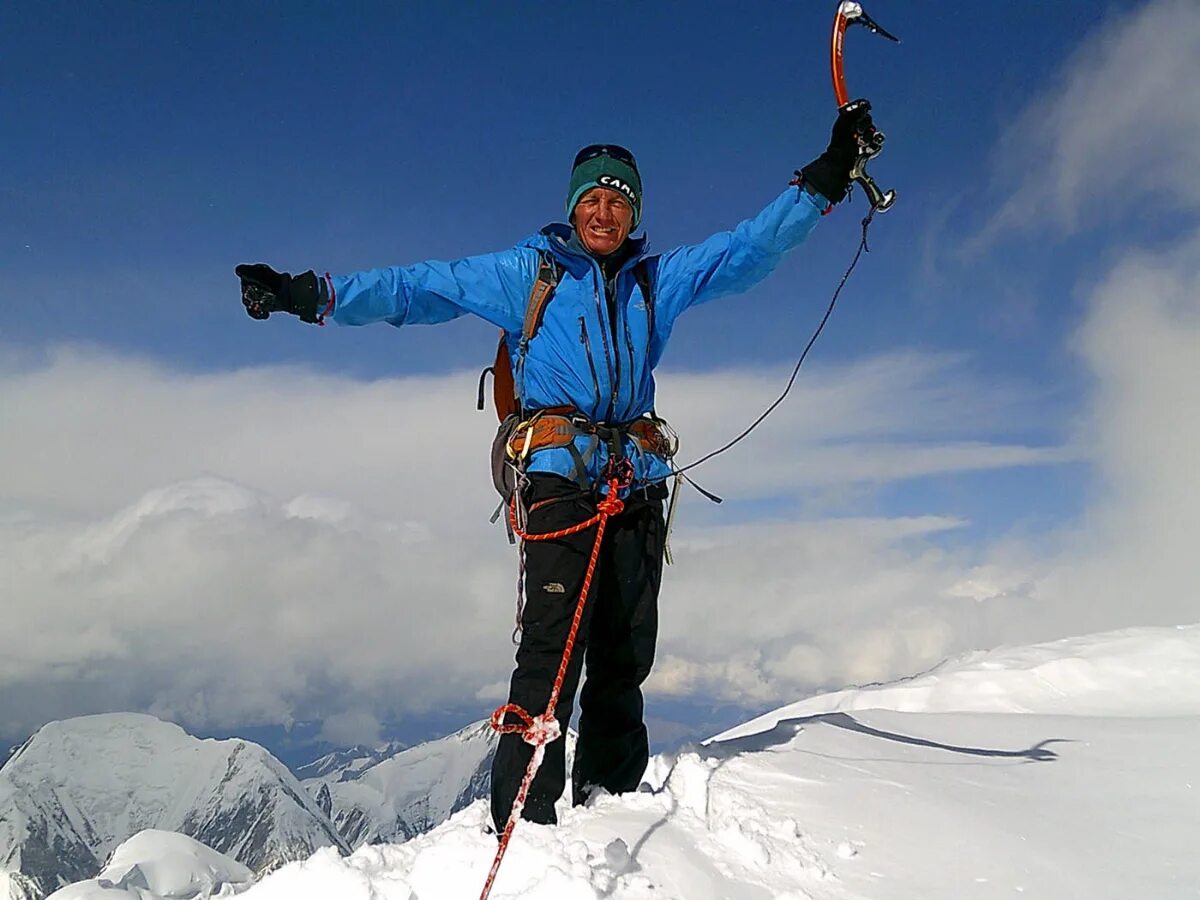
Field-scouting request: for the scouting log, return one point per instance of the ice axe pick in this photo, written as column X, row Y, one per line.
column 869, row 146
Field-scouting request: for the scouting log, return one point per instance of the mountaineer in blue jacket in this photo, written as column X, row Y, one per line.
column 582, row 402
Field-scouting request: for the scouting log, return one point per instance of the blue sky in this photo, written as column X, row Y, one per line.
column 191, row 137
column 194, row 137
column 149, row 148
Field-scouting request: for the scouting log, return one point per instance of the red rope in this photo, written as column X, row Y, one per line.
column 544, row 729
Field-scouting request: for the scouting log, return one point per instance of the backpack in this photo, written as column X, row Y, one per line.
column 504, row 386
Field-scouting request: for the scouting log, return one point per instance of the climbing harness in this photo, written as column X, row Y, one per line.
column 541, row 730
column 516, row 442
column 517, row 439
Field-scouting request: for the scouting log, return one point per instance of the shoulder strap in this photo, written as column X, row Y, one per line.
column 549, row 272
column 505, row 393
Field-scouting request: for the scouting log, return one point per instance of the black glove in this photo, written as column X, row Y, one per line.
column 265, row 291
column 829, row 173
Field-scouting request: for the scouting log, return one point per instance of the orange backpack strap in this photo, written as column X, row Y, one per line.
column 543, row 289
column 504, row 384
column 504, row 388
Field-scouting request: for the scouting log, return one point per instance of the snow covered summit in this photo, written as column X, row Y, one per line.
column 162, row 864
column 1066, row 769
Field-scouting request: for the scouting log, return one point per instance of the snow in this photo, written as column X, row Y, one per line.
column 341, row 765
column 162, row 864
column 1065, row 769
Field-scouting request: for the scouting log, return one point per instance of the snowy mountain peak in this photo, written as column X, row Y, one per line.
column 78, row 788
column 410, row 791
column 344, row 765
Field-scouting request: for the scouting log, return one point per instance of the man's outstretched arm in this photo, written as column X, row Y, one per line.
column 494, row 286
column 732, row 261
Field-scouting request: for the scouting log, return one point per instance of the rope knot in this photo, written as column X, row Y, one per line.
column 542, row 730
column 499, row 726
column 612, row 505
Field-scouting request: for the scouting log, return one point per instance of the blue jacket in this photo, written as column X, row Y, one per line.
column 579, row 357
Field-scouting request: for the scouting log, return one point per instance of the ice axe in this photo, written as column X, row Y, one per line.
column 869, row 146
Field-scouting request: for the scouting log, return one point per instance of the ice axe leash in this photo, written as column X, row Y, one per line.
column 869, row 146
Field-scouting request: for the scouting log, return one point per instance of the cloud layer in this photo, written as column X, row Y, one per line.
column 271, row 544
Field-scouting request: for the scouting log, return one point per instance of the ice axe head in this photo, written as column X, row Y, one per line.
column 850, row 13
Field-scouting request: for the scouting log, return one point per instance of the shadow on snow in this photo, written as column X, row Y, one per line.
column 786, row 729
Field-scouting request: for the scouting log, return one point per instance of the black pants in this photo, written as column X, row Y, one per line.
column 616, row 639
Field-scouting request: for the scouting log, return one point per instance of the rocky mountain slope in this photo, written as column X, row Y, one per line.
column 409, row 792
column 78, row 788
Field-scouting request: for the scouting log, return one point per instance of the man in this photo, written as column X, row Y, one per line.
column 588, row 366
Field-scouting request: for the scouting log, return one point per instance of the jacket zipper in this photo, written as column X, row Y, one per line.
column 587, row 345
column 632, row 365
column 608, row 359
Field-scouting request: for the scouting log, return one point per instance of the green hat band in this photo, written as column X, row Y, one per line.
column 606, row 172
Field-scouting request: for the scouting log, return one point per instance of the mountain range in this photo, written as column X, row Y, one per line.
column 78, row 788
column 72, row 793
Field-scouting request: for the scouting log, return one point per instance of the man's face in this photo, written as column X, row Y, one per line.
column 603, row 219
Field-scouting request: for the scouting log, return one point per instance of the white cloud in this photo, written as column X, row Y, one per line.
column 758, row 612
column 354, row 727
column 1136, row 555
column 1117, row 132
